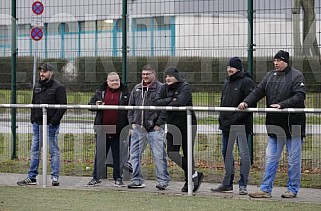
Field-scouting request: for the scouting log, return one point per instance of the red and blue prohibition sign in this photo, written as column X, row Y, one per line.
column 36, row 33
column 37, row 7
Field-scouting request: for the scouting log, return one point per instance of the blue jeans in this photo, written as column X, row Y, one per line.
column 238, row 134
column 273, row 153
column 139, row 140
column 36, row 145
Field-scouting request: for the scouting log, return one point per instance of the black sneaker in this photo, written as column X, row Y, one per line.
column 94, row 182
column 185, row 187
column 27, row 181
column 223, row 189
column 136, row 185
column 161, row 186
column 55, row 181
column 119, row 182
column 198, row 181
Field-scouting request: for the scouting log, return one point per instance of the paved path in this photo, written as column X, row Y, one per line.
column 80, row 128
column 71, row 182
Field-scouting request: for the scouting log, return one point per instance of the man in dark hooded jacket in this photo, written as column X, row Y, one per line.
column 235, row 126
column 177, row 92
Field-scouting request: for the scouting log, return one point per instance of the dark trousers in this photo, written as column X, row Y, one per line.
column 102, row 148
column 177, row 138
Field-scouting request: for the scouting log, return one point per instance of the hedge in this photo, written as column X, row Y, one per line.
column 204, row 73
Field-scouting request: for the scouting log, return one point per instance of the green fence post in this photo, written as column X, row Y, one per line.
column 13, row 78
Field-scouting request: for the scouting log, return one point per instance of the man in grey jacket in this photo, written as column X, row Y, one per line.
column 146, row 128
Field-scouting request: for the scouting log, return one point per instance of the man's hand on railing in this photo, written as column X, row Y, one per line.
column 277, row 106
column 243, row 105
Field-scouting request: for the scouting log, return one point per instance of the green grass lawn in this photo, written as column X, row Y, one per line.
column 29, row 198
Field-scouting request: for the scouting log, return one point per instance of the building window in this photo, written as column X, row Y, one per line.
column 23, row 29
column 4, row 35
column 163, row 22
column 63, row 28
column 53, row 28
column 87, row 26
column 105, row 25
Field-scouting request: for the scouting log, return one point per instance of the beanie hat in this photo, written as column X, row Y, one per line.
column 173, row 71
column 282, row 55
column 235, row 62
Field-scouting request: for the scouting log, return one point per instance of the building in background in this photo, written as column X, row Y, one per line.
column 155, row 28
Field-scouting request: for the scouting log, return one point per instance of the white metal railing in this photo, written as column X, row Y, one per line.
column 44, row 108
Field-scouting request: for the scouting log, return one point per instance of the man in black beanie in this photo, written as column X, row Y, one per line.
column 177, row 92
column 235, row 62
column 283, row 87
column 235, row 126
column 282, row 55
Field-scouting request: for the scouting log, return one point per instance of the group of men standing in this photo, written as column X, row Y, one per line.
column 283, row 87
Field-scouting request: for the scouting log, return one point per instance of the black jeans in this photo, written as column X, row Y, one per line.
column 102, row 148
column 177, row 138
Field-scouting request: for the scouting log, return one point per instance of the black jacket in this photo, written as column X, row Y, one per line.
column 141, row 96
column 234, row 91
column 178, row 94
column 49, row 92
column 123, row 100
column 286, row 88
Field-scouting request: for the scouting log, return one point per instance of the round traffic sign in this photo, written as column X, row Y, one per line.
column 37, row 7
column 36, row 33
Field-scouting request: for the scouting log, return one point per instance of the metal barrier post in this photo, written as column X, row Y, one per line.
column 14, row 52
column 189, row 153
column 44, row 147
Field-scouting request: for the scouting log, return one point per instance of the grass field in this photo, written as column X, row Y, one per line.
column 29, row 198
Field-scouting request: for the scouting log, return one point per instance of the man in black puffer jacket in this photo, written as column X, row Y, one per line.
column 108, row 127
column 283, row 87
column 46, row 91
column 235, row 126
column 177, row 92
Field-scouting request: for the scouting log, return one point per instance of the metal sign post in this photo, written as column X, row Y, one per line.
column 36, row 33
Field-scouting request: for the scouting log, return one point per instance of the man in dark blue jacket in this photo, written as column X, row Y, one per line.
column 46, row 91
column 235, row 126
column 283, row 87
column 109, row 125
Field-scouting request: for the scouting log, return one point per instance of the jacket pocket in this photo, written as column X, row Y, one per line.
column 51, row 92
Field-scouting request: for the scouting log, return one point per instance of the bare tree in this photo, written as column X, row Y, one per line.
column 310, row 43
